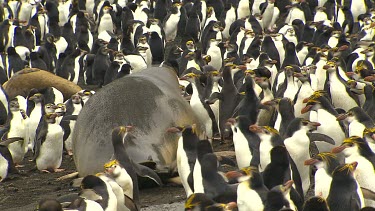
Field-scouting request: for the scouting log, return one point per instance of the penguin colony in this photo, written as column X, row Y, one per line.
column 291, row 81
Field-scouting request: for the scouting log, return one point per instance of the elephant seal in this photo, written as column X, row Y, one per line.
column 28, row 78
column 148, row 100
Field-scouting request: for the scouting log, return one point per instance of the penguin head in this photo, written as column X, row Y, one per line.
column 311, row 104
column 291, row 32
column 113, row 168
column 60, row 109
column 210, row 11
column 309, row 126
column 321, row 160
column 190, row 45
column 142, row 39
column 350, row 146
column 14, row 105
column 316, row 203
column 50, row 108
column 336, row 34
column 49, row 205
column 76, row 99
column 284, row 188
column 263, row 82
column 331, row 66
column 86, row 94
column 38, row 97
column 369, row 51
column 263, row 131
column 190, row 56
column 303, row 75
column 91, row 181
column 217, row 28
column 190, row 77
column 250, row 34
column 345, row 170
column 369, row 134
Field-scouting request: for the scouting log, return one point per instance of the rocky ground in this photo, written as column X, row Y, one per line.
column 22, row 192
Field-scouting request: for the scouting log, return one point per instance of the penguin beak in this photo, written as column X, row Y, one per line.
column 357, row 91
column 343, row 48
column 365, row 51
column 349, row 74
column 255, row 128
column 369, row 78
column 339, row 149
column 231, row 121
column 273, row 62
column 173, row 130
column 354, row 165
column 297, row 75
column 233, row 175
column 341, row 117
column 287, row 186
column 310, row 162
column 326, row 67
column 306, row 109
column 314, row 125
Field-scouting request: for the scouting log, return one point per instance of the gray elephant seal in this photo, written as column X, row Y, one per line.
column 150, row 101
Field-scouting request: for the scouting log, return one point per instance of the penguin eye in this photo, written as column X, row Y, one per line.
column 350, row 144
column 304, row 123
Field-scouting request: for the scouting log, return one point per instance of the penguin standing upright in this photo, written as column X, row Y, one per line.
column 16, row 128
column 170, row 23
column 49, row 145
column 101, row 64
column 345, row 193
column 35, row 114
column 356, row 149
column 202, row 110
column 186, row 153
column 74, row 105
column 253, row 188
column 278, row 170
column 6, row 163
column 215, row 52
column 298, row 141
column 326, row 163
column 358, row 121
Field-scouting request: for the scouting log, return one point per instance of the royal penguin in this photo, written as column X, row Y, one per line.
column 315, row 203
column 4, row 105
column 16, row 129
column 270, row 15
column 215, row 52
column 186, row 153
column 7, row 165
column 277, row 172
column 357, row 120
column 74, row 105
column 123, row 202
column 246, row 143
column 338, row 89
column 71, row 67
column 279, row 197
column 325, row 114
column 48, row 146
column 326, row 163
column 214, row 185
column 67, row 123
column 120, row 138
column 269, row 138
column 243, row 9
column 35, row 112
column 156, row 42
column 356, row 149
column 228, row 98
column 170, row 23
column 203, row 110
column 253, row 188
column 298, row 148
column 102, row 189
column 345, row 193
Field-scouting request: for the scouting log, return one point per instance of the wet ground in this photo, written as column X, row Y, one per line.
column 22, row 192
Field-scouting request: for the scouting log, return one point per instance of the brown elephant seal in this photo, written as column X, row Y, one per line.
column 28, row 78
column 150, row 101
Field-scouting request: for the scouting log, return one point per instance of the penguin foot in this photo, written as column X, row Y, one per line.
column 70, row 152
column 19, row 166
column 59, row 170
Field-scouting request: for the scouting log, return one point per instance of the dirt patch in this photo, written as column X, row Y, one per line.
column 22, row 192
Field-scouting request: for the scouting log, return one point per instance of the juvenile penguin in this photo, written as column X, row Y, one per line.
column 49, row 145
column 278, row 170
column 345, row 193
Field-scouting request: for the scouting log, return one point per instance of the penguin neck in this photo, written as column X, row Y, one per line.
column 267, row 94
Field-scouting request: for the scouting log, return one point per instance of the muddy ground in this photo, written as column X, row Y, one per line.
column 22, row 192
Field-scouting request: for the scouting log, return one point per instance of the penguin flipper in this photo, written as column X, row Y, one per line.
column 213, row 97
column 368, row 194
column 226, row 160
column 38, row 142
column 8, row 141
column 144, row 171
column 130, row 204
column 320, row 137
column 90, row 194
